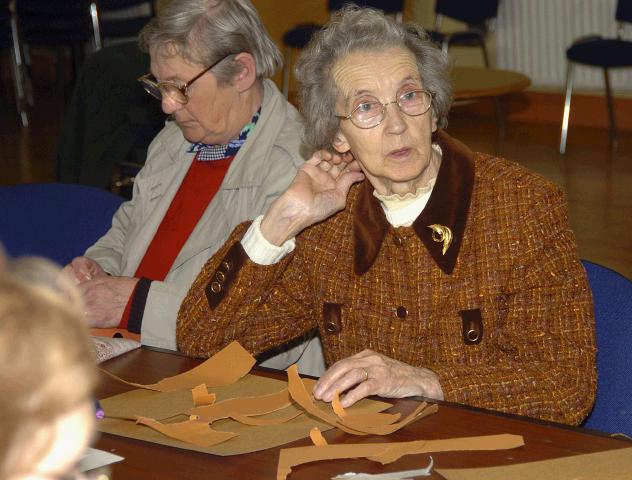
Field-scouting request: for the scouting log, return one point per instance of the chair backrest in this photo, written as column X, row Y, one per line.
column 473, row 13
column 5, row 24
column 612, row 297
column 54, row 220
column 624, row 11
column 43, row 22
column 387, row 6
column 116, row 19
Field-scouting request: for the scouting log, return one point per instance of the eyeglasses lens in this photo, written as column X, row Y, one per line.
column 370, row 112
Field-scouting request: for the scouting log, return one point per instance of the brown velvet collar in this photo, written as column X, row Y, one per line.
column 448, row 205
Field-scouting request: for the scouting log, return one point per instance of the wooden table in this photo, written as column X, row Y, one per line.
column 472, row 83
column 476, row 82
column 145, row 460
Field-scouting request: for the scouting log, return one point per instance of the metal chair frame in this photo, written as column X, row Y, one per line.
column 570, row 73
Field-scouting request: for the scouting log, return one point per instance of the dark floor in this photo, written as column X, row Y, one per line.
column 598, row 181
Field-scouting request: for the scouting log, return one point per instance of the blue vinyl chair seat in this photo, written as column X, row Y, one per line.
column 54, row 220
column 602, row 52
column 300, row 35
column 612, row 297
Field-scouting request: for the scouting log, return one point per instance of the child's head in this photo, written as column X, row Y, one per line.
column 47, row 372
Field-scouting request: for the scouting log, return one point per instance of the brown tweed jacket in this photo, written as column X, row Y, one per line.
column 504, row 317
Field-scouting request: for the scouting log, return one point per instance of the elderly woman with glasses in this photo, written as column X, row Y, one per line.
column 428, row 269
column 231, row 147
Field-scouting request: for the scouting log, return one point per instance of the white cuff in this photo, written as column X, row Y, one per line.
column 261, row 251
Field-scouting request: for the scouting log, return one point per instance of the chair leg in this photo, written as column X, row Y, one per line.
column 286, row 71
column 610, row 104
column 21, row 83
column 567, row 106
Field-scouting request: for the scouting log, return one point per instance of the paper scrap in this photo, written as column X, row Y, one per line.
column 317, row 437
column 106, row 348
column 403, row 475
column 201, row 396
column 611, row 464
column 93, row 458
column 225, row 367
column 191, row 431
column 389, row 452
column 376, row 423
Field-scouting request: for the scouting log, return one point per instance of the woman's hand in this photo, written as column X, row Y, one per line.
column 370, row 373
column 318, row 191
column 83, row 269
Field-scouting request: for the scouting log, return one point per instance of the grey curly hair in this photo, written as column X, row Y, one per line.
column 353, row 29
column 203, row 31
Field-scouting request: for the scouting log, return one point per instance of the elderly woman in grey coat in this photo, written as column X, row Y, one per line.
column 231, row 147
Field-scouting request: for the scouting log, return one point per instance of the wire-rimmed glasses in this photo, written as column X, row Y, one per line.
column 177, row 93
column 370, row 111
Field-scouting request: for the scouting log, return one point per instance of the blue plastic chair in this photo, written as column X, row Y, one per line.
column 612, row 296
column 54, row 220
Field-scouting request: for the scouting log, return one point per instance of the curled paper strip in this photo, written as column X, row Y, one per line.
column 375, row 423
column 389, row 452
column 225, row 367
column 201, row 396
column 246, row 406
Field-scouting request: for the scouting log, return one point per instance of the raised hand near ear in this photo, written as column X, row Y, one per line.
column 318, row 191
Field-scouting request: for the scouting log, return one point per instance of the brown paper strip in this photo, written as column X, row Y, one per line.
column 256, row 422
column 389, row 452
column 225, row 367
column 201, row 396
column 192, row 431
column 611, row 465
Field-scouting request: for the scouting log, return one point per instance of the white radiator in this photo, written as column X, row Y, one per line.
column 532, row 37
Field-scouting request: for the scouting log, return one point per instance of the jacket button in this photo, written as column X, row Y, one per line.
column 216, row 287
column 220, row 276
column 331, row 327
column 401, row 312
column 227, row 265
column 399, row 241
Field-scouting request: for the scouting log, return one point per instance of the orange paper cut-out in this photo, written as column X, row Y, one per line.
column 201, row 397
column 191, row 431
column 225, row 367
column 389, row 452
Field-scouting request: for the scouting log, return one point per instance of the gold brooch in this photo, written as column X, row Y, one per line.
column 441, row 234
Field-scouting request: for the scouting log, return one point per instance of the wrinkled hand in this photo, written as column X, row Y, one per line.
column 318, row 191
column 82, row 269
column 105, row 299
column 370, row 373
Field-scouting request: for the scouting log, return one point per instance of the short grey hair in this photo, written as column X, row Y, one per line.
column 203, row 31
column 362, row 29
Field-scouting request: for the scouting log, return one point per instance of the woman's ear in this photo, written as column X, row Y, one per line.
column 434, row 121
column 340, row 143
column 247, row 76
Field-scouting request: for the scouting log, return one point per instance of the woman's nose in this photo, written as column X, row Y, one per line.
column 394, row 121
column 169, row 105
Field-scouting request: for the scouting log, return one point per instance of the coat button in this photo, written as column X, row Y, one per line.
column 401, row 312
column 399, row 241
column 332, row 327
column 227, row 265
column 220, row 276
column 216, row 287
